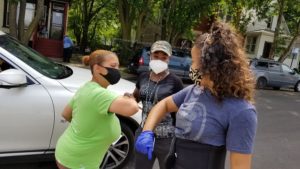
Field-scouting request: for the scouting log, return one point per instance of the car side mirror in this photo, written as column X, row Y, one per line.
column 296, row 70
column 292, row 72
column 11, row 78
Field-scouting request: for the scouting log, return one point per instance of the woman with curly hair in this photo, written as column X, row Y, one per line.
column 215, row 115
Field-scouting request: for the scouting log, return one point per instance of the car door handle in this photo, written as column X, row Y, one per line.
column 63, row 120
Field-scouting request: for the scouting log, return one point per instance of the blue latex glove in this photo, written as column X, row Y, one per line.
column 145, row 143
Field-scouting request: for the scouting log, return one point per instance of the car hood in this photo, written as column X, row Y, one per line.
column 82, row 75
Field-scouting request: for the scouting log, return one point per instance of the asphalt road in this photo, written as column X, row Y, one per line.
column 278, row 136
column 277, row 143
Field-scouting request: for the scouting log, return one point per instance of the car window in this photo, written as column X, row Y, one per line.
column 4, row 65
column 179, row 53
column 35, row 60
column 286, row 69
column 261, row 65
column 274, row 67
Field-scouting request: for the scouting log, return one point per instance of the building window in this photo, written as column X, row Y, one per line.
column 251, row 43
column 29, row 13
column 269, row 22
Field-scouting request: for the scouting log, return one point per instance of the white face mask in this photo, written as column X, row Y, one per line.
column 158, row 66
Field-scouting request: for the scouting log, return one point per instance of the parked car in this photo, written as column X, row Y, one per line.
column 179, row 64
column 33, row 91
column 274, row 74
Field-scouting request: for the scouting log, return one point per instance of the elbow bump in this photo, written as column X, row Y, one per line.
column 134, row 108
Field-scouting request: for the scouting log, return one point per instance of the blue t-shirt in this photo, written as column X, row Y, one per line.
column 202, row 118
column 67, row 42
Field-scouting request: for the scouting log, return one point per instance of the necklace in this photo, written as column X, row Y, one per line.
column 149, row 92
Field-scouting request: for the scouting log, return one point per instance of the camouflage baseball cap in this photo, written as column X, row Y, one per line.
column 163, row 46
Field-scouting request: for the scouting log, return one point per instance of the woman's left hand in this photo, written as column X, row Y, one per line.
column 145, row 143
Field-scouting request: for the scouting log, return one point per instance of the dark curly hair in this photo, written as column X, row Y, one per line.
column 224, row 65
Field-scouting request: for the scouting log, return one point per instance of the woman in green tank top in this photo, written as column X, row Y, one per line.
column 91, row 113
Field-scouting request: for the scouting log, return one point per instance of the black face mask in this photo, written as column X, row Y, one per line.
column 112, row 76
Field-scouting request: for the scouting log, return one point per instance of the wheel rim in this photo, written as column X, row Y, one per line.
column 116, row 153
column 298, row 86
column 261, row 83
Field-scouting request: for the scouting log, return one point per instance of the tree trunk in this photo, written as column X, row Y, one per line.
column 85, row 27
column 94, row 30
column 126, row 32
column 13, row 18
column 277, row 29
column 140, row 25
column 284, row 55
column 21, row 27
column 143, row 13
column 84, row 38
column 124, row 17
column 237, row 18
column 288, row 49
column 33, row 25
column 163, row 34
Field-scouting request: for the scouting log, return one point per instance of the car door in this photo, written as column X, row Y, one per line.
column 289, row 76
column 177, row 63
column 275, row 74
column 26, row 117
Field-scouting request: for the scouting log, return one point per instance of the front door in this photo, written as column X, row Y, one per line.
column 275, row 74
column 267, row 48
column 57, row 21
column 26, row 118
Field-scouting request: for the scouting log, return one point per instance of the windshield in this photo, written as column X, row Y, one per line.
column 34, row 59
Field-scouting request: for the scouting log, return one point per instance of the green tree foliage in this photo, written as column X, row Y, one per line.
column 240, row 13
column 236, row 12
column 279, row 6
column 288, row 11
column 178, row 17
column 85, row 18
column 133, row 15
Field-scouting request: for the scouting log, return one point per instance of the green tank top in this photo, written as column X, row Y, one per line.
column 92, row 128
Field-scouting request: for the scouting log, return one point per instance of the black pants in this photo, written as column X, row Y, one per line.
column 67, row 54
column 193, row 155
column 161, row 149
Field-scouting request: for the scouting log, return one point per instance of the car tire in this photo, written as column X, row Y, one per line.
column 297, row 87
column 261, row 83
column 276, row 88
column 121, row 151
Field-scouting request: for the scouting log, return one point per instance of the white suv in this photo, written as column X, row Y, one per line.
column 33, row 92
